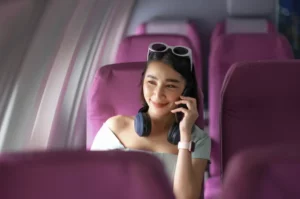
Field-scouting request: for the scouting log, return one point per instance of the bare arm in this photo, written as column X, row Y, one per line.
column 189, row 175
column 189, row 171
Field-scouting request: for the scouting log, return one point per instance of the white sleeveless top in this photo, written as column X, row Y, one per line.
column 107, row 140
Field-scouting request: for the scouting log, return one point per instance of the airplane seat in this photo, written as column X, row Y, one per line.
column 83, row 174
column 263, row 172
column 257, row 109
column 245, row 36
column 227, row 50
column 115, row 90
column 245, row 39
column 261, row 47
column 184, row 27
column 135, row 48
column 259, row 106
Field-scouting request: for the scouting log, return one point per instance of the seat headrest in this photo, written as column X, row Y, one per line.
column 135, row 48
column 250, row 8
column 238, row 25
column 173, row 26
column 115, row 91
column 167, row 26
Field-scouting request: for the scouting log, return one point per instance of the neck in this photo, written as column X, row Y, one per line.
column 160, row 125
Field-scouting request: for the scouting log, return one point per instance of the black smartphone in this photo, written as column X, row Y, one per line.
column 180, row 115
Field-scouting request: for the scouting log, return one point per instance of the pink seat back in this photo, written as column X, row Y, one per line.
column 135, row 48
column 259, row 106
column 227, row 50
column 264, row 172
column 186, row 28
column 115, row 90
column 83, row 174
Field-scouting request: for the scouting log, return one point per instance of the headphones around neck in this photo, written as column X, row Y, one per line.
column 142, row 123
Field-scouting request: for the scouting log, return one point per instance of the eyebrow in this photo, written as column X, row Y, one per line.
column 168, row 80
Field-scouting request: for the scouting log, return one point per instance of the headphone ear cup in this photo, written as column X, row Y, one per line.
column 142, row 124
column 174, row 134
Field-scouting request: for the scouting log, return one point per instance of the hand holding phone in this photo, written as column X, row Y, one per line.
column 186, row 114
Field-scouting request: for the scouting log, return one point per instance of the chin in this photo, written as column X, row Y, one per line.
column 159, row 112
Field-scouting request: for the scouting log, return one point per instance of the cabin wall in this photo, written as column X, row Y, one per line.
column 17, row 19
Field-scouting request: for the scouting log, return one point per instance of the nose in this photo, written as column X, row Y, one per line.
column 159, row 93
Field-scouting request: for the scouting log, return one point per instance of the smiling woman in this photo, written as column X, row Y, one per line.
column 182, row 146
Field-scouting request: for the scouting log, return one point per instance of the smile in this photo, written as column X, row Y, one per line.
column 159, row 105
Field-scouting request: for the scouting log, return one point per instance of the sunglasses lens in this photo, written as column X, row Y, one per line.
column 180, row 51
column 158, row 47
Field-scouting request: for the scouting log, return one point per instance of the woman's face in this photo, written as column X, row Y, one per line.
column 162, row 86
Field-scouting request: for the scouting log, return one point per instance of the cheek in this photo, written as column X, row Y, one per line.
column 174, row 96
column 147, row 90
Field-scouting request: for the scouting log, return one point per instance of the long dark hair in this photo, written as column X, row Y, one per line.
column 181, row 65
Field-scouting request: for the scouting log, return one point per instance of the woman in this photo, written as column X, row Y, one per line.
column 182, row 146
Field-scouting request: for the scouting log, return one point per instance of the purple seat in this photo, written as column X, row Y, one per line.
column 263, row 173
column 135, row 48
column 83, row 174
column 227, row 50
column 245, row 36
column 183, row 27
column 237, row 46
column 115, row 90
column 259, row 101
column 259, row 106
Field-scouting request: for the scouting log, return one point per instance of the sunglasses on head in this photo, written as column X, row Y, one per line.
column 180, row 51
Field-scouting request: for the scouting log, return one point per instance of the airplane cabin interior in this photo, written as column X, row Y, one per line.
column 73, row 73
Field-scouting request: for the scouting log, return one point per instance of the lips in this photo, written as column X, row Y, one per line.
column 159, row 105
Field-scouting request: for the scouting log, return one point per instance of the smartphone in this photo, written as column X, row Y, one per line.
column 179, row 115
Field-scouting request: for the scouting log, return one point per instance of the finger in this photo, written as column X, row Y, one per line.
column 188, row 103
column 183, row 110
column 191, row 99
column 188, row 98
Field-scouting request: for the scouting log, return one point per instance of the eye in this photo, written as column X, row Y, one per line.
column 171, row 86
column 151, row 82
